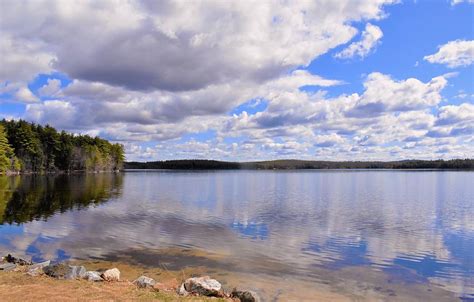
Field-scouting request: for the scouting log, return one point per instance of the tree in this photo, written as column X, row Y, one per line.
column 8, row 160
column 50, row 142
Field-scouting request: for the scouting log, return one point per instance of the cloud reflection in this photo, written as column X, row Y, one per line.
column 419, row 221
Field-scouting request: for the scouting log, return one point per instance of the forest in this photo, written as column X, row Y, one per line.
column 29, row 148
column 454, row 164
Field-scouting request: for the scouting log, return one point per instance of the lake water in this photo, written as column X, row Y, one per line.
column 393, row 233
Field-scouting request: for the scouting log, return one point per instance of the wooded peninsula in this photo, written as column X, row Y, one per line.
column 29, row 148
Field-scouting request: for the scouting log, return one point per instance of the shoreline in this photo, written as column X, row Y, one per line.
column 24, row 281
column 59, row 172
column 15, row 285
column 135, row 170
column 295, row 164
column 18, row 283
column 340, row 285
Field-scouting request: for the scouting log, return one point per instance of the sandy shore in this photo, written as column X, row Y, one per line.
column 15, row 286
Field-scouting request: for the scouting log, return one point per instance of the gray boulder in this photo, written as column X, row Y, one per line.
column 58, row 270
column 40, row 264
column 35, row 272
column 93, row 276
column 204, row 286
column 75, row 272
column 6, row 267
column 245, row 296
column 64, row 271
column 144, row 282
column 182, row 291
column 37, row 268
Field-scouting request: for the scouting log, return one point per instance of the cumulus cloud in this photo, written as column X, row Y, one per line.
column 180, row 67
column 454, row 121
column 369, row 40
column 51, row 88
column 178, row 45
column 24, row 94
column 328, row 140
column 383, row 94
column 61, row 113
column 453, row 54
column 452, row 114
column 390, row 119
column 21, row 60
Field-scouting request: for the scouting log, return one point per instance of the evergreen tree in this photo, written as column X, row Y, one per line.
column 6, row 151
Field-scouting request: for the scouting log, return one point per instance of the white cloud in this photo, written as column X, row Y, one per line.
column 51, row 88
column 295, row 123
column 178, row 45
column 454, row 54
column 454, row 2
column 369, row 40
column 59, row 113
column 451, row 114
column 454, row 121
column 383, row 94
column 21, row 60
column 180, row 67
column 328, row 140
column 24, row 94
column 299, row 78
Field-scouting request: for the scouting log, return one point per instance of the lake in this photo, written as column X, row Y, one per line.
column 388, row 234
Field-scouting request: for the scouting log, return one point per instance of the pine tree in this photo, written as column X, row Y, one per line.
column 6, row 152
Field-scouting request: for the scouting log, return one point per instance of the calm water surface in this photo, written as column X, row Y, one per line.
column 412, row 227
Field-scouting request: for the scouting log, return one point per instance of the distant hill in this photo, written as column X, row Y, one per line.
column 198, row 164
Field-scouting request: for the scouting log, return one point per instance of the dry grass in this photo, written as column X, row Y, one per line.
column 17, row 286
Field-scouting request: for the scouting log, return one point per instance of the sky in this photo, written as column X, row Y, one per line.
column 246, row 80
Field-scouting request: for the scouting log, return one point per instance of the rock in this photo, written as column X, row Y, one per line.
column 40, row 264
column 144, row 281
column 111, row 275
column 182, row 291
column 245, row 296
column 35, row 271
column 9, row 258
column 75, row 272
column 37, row 268
column 93, row 276
column 64, row 271
column 204, row 286
column 6, row 267
column 56, row 270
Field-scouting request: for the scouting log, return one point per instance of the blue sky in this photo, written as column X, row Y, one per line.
column 370, row 80
column 411, row 31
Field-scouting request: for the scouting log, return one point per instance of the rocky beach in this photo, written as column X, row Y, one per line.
column 65, row 281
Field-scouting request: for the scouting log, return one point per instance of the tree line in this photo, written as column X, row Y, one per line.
column 29, row 147
column 195, row 164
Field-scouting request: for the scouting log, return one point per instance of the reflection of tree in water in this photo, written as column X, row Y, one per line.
column 7, row 187
column 28, row 198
